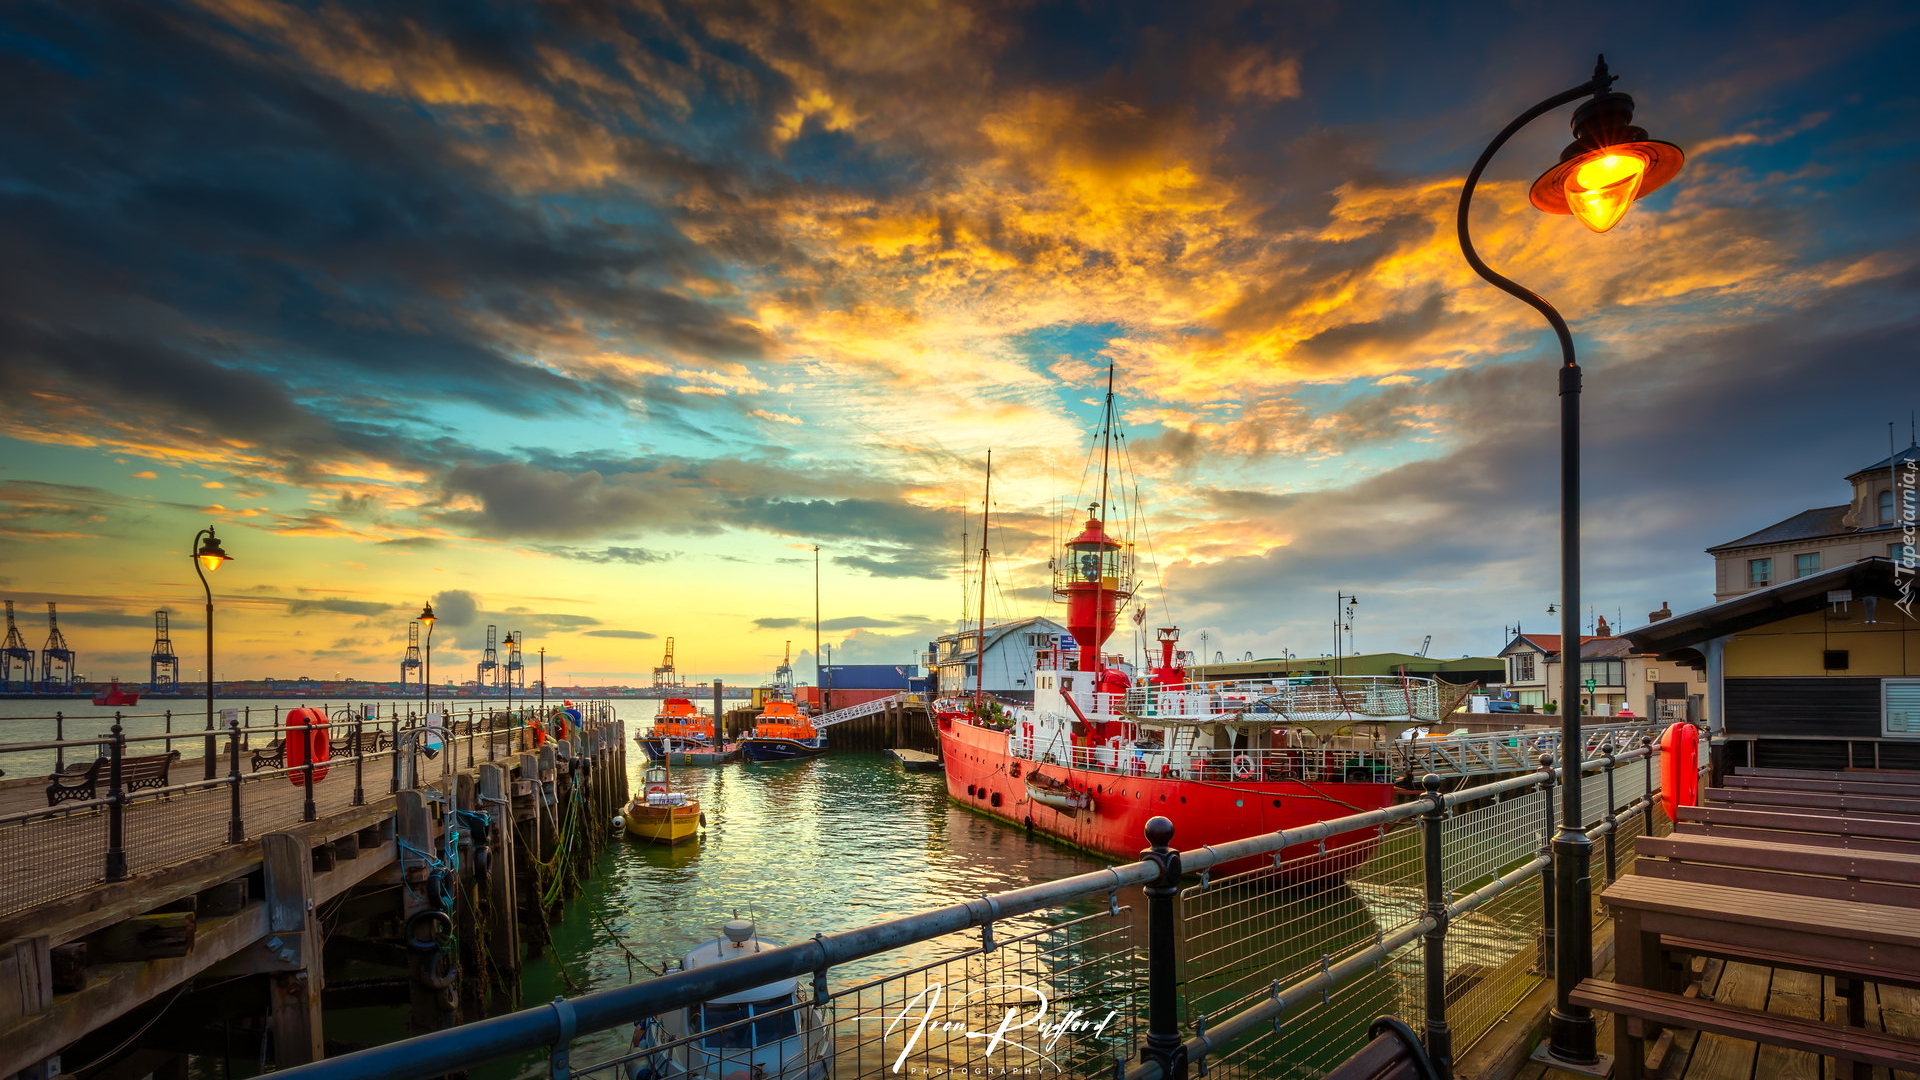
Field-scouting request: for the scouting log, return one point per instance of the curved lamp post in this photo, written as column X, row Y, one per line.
column 209, row 556
column 1609, row 164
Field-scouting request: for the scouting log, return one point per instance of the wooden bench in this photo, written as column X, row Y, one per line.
column 1811, row 870
column 1793, row 1032
column 271, row 756
column 1394, row 1054
column 1781, row 825
column 82, row 782
column 1893, row 806
column 1863, row 785
column 1878, row 776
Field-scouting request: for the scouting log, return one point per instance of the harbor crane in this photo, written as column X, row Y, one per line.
column 1425, row 645
column 516, row 669
column 489, row 660
column 664, row 676
column 15, row 651
column 410, row 660
column 163, row 675
column 56, row 658
column 783, row 675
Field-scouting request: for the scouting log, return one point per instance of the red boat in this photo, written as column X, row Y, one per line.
column 117, row 696
column 1100, row 752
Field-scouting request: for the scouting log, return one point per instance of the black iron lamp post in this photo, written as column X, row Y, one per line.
column 209, row 556
column 1609, row 164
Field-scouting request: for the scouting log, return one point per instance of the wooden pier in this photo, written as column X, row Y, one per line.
column 414, row 882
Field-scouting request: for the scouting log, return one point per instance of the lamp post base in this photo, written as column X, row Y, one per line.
column 1601, row 1066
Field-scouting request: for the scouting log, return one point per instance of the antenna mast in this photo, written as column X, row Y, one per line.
column 980, row 646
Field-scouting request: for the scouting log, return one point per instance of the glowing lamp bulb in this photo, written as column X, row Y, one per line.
column 211, row 555
column 211, row 562
column 1602, row 188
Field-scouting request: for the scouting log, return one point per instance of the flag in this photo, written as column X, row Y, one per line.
column 1139, row 616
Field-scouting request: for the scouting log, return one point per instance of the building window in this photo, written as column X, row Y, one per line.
column 1759, row 573
column 1900, row 553
column 1603, row 672
column 1806, row 565
column 1886, row 505
column 1900, row 708
column 1523, row 667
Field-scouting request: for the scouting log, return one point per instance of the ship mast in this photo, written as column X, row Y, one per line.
column 1106, row 455
column 980, row 645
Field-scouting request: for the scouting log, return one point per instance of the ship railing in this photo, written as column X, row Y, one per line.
column 1496, row 752
column 230, row 782
column 1433, row 909
column 1358, row 698
column 1331, row 764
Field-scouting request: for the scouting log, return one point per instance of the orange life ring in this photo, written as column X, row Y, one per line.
column 306, row 740
column 1679, row 768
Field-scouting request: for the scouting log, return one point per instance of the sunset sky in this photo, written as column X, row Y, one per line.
column 591, row 319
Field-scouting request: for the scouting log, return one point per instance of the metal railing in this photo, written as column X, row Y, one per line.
column 1353, row 698
column 866, row 708
column 1446, row 916
column 109, row 823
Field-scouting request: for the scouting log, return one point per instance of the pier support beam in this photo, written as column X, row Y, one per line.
column 503, row 925
column 298, row 1034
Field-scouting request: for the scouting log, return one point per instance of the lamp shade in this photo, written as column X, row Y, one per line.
column 211, row 554
column 427, row 616
column 1610, row 164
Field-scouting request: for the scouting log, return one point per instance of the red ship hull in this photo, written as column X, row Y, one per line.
column 983, row 775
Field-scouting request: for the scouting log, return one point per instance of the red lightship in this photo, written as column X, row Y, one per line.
column 1100, row 752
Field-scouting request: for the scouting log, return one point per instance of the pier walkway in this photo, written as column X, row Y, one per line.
column 111, row 902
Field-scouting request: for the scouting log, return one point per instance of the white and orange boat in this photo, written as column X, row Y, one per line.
column 680, row 729
column 659, row 814
column 1100, row 752
column 783, row 733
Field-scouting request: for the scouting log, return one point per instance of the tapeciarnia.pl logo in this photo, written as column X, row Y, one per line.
column 1908, row 479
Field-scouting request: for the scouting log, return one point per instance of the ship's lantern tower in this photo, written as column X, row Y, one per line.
column 1095, row 581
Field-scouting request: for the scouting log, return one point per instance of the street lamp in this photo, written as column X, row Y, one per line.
column 1610, row 164
column 427, row 619
column 1342, row 622
column 209, row 556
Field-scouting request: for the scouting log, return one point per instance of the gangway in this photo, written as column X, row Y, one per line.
column 163, row 676
column 868, row 708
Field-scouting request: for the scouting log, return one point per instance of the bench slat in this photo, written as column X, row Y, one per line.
column 1774, row 1029
column 1852, row 805
column 1834, row 824
column 1880, row 776
column 1782, row 911
column 1901, row 868
column 1774, row 958
column 1848, row 786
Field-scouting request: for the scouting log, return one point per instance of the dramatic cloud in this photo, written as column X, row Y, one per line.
column 614, row 311
column 632, row 635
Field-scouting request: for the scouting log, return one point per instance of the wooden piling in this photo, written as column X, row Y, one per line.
column 299, row 1035
column 502, row 898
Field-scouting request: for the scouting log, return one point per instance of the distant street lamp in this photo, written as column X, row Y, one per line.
column 209, row 556
column 1610, row 164
column 427, row 619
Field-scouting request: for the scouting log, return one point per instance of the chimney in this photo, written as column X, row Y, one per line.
column 1665, row 612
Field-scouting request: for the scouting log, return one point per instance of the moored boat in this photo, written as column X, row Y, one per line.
column 116, row 696
column 766, row 1033
column 783, row 733
column 690, row 732
column 1100, row 752
column 661, row 815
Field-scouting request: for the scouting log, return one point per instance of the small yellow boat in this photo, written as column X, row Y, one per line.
column 661, row 815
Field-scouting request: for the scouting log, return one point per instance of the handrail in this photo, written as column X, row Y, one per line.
column 535, row 1028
